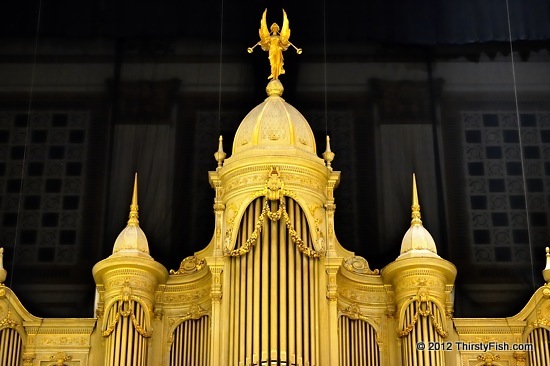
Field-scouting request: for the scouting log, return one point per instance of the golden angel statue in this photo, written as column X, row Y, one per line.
column 275, row 42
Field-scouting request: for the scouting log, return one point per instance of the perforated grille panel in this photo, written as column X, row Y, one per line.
column 42, row 165
column 505, row 188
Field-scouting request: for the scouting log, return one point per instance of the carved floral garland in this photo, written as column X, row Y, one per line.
column 427, row 312
column 125, row 307
column 274, row 216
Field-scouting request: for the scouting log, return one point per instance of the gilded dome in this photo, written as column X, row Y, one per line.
column 418, row 242
column 131, row 242
column 273, row 125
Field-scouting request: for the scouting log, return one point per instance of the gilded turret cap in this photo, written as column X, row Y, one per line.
column 417, row 242
column 132, row 240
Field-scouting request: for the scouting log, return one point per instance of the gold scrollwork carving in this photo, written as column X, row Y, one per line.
column 195, row 312
column 359, row 265
column 189, row 265
column 187, row 296
column 63, row 341
column 353, row 312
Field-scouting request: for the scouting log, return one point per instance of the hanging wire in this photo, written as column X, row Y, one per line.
column 220, row 72
column 325, row 62
column 522, row 158
column 29, row 110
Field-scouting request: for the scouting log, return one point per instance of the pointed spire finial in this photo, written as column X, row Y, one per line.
column 416, row 221
column 546, row 270
column 220, row 154
column 417, row 241
column 133, row 218
column 328, row 155
column 3, row 272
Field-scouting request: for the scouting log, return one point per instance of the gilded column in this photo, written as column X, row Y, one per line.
column 218, row 355
column 332, row 265
column 127, row 282
column 421, row 284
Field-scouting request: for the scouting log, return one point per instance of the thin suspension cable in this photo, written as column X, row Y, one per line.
column 29, row 110
column 522, row 158
column 220, row 72
column 325, row 62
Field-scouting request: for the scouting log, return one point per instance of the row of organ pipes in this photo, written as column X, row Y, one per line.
column 274, row 293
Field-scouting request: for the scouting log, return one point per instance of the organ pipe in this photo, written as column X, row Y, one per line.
column 540, row 354
column 127, row 331
column 273, row 288
column 10, row 347
column 357, row 342
column 255, row 352
column 423, row 321
column 292, row 299
column 191, row 343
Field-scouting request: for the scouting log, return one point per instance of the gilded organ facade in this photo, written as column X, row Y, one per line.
column 275, row 286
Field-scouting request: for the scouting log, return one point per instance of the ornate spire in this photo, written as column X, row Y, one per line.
column 132, row 240
column 133, row 218
column 220, row 154
column 417, row 242
column 416, row 221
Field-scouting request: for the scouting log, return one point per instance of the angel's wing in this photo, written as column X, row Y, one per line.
column 264, row 32
column 285, row 31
